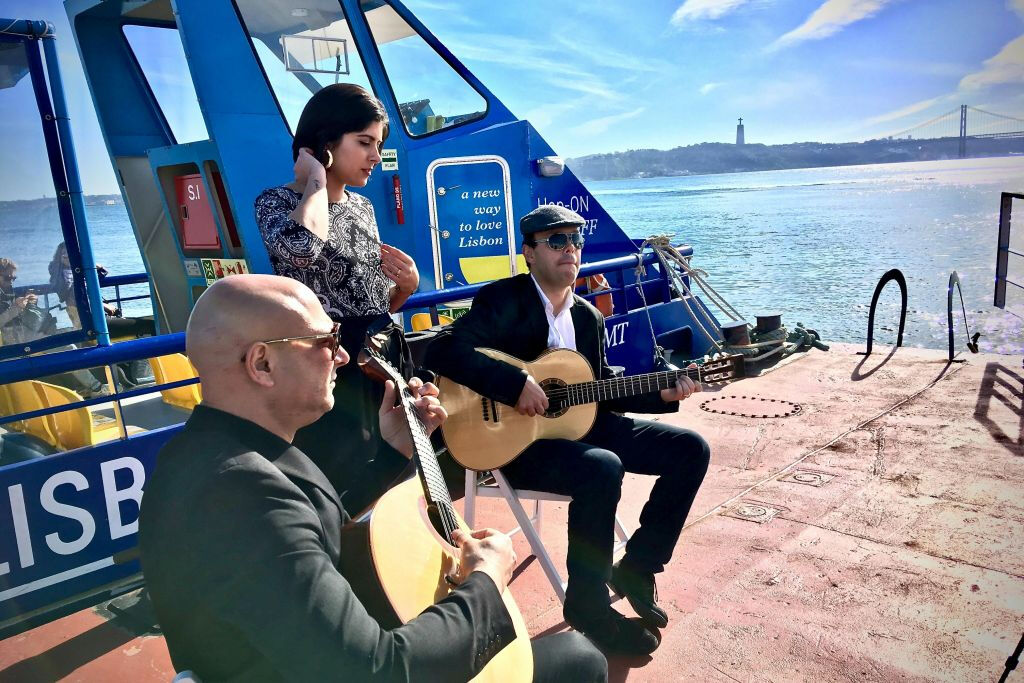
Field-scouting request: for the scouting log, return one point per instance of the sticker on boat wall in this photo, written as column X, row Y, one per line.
column 218, row 268
column 192, row 267
column 389, row 160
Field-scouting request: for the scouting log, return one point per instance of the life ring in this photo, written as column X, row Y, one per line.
column 598, row 283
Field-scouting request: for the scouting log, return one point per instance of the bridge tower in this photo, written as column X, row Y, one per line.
column 739, row 133
column 963, row 131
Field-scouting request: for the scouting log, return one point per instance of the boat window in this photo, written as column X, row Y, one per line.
column 161, row 59
column 431, row 95
column 302, row 45
column 30, row 226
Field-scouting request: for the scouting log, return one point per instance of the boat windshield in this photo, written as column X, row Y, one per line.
column 37, row 281
column 304, row 45
column 430, row 93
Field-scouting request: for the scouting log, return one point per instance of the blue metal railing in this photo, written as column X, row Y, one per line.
column 118, row 281
column 32, row 367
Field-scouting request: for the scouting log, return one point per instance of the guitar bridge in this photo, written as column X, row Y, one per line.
column 490, row 409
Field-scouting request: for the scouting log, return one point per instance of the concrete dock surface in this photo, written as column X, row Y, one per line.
column 870, row 528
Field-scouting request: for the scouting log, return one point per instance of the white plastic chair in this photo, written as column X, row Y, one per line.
column 493, row 484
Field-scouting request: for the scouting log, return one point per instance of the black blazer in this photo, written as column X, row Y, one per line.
column 240, row 541
column 508, row 315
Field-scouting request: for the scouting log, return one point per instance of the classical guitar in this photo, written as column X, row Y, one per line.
column 482, row 433
column 404, row 557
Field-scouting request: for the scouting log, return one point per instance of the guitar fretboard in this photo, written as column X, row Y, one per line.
column 435, row 488
column 619, row 387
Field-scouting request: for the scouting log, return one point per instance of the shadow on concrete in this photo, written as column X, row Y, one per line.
column 127, row 618
column 1006, row 386
column 857, row 375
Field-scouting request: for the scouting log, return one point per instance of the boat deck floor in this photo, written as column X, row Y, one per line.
column 876, row 535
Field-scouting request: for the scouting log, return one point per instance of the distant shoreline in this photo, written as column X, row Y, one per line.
column 90, row 200
column 712, row 158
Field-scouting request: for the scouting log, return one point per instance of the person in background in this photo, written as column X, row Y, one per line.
column 320, row 233
column 240, row 532
column 23, row 321
column 12, row 307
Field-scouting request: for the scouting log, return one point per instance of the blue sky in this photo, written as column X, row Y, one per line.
column 607, row 75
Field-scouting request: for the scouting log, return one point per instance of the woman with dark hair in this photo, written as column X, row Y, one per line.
column 326, row 237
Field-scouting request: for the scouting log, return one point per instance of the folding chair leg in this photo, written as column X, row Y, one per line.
column 620, row 532
column 536, row 544
column 470, row 500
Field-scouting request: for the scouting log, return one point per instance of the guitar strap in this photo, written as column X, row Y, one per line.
column 391, row 340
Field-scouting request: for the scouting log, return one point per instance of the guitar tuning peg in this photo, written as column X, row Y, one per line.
column 716, row 356
column 706, row 358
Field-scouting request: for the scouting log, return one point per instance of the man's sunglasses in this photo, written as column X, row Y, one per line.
column 561, row 240
column 333, row 339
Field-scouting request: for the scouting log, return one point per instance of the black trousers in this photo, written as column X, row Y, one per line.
column 591, row 471
column 568, row 658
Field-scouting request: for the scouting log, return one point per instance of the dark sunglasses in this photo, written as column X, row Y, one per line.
column 12, row 278
column 333, row 339
column 561, row 240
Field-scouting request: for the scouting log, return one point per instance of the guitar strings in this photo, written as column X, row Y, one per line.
column 436, row 486
column 580, row 389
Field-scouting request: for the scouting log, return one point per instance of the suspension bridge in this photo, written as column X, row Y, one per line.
column 965, row 123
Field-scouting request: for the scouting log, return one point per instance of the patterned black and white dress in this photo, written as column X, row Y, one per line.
column 343, row 271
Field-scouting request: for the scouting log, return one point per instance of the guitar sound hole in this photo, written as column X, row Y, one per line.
column 557, row 400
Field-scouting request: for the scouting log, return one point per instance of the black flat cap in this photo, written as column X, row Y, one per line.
column 547, row 217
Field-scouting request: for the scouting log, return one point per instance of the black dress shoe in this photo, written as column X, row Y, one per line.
column 642, row 593
column 614, row 634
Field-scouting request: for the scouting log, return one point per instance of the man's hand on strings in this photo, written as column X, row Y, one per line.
column 684, row 388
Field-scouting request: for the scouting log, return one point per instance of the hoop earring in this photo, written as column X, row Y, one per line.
column 330, row 159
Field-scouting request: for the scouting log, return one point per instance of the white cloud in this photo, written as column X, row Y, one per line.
column 509, row 51
column 708, row 87
column 598, row 126
column 906, row 111
column 694, row 10
column 614, row 59
column 541, row 117
column 831, row 17
column 1005, row 67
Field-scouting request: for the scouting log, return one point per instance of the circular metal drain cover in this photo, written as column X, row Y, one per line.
column 752, row 511
column 750, row 406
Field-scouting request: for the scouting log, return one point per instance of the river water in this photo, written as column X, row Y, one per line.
column 813, row 243
column 810, row 243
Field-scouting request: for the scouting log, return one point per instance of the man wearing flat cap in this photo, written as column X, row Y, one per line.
column 523, row 316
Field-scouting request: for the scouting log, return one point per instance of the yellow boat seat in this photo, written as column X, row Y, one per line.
column 7, row 408
column 175, row 367
column 421, row 321
column 23, row 398
column 80, row 426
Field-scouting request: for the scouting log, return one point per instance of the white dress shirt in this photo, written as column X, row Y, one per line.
column 561, row 333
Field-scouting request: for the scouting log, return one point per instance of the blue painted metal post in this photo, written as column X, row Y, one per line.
column 67, row 146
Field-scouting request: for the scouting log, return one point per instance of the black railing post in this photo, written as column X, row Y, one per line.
column 972, row 342
column 896, row 275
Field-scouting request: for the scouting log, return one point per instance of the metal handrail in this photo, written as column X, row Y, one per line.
column 31, row 367
column 897, row 275
column 440, row 296
column 972, row 341
column 1003, row 250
